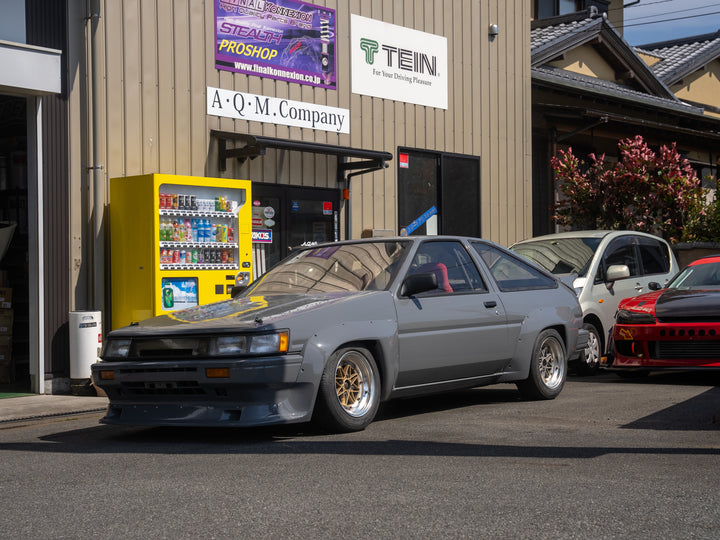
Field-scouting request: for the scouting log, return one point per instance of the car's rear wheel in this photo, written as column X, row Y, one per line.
column 548, row 367
column 589, row 363
column 349, row 393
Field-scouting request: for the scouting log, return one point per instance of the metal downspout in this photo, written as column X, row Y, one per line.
column 98, row 268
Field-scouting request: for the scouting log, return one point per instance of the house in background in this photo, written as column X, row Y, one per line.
column 590, row 89
column 690, row 67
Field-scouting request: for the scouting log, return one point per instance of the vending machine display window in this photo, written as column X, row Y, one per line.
column 179, row 293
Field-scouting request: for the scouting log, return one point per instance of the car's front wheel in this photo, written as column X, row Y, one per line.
column 548, row 367
column 349, row 393
column 589, row 363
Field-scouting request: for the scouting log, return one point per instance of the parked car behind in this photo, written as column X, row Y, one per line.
column 677, row 327
column 333, row 330
column 604, row 267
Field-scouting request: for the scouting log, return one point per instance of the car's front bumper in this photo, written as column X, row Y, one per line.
column 679, row 345
column 256, row 391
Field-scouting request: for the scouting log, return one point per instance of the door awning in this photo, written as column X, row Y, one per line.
column 256, row 145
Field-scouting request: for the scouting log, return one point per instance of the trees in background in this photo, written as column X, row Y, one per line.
column 655, row 192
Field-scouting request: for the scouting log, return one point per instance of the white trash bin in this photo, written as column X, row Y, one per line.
column 85, row 348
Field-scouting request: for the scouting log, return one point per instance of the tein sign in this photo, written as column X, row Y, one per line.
column 398, row 63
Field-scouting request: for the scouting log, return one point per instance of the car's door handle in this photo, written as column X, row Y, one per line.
column 490, row 304
column 638, row 287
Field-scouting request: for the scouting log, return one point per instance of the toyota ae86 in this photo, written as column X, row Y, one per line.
column 335, row 329
column 677, row 327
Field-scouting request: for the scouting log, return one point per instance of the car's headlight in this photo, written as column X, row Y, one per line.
column 116, row 349
column 633, row 317
column 274, row 343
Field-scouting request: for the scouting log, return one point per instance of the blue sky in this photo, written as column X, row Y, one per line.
column 681, row 18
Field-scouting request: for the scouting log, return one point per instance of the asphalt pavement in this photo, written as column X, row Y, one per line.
column 42, row 405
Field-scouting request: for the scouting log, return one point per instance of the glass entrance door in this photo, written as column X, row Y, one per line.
column 285, row 217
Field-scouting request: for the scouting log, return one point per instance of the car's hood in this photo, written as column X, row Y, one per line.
column 677, row 304
column 246, row 312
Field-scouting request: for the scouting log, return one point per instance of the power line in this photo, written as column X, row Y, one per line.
column 640, row 5
column 679, row 11
column 671, row 20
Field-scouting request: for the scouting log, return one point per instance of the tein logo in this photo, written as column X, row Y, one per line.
column 370, row 46
column 405, row 59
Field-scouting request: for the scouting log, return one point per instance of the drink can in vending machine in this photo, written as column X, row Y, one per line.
column 223, row 256
column 224, row 234
column 201, row 256
column 194, row 258
column 175, row 256
column 181, row 257
column 188, row 256
column 174, row 201
column 193, row 202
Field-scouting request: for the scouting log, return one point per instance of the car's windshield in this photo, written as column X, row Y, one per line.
column 560, row 255
column 698, row 276
column 345, row 267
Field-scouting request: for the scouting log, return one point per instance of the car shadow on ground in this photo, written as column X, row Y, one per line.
column 671, row 377
column 113, row 440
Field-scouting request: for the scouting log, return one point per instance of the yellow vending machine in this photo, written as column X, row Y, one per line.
column 176, row 242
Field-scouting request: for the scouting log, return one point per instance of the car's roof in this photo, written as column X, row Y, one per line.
column 586, row 234
column 395, row 239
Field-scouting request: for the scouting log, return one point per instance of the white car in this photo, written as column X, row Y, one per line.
column 603, row 267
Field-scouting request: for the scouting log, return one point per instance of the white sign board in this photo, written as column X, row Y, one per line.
column 398, row 63
column 286, row 112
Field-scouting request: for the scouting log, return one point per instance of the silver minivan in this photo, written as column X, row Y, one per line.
column 603, row 267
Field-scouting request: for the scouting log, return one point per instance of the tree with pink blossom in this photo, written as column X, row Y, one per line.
column 655, row 192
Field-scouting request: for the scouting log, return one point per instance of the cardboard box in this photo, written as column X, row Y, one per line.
column 5, row 297
column 6, row 322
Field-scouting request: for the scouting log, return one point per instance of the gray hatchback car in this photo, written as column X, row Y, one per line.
column 603, row 267
column 335, row 329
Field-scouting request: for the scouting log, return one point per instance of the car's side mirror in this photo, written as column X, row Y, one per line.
column 419, row 283
column 237, row 290
column 616, row 272
column 654, row 286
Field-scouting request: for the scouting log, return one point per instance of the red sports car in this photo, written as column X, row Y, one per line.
column 673, row 328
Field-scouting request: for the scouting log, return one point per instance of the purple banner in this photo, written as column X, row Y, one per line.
column 286, row 40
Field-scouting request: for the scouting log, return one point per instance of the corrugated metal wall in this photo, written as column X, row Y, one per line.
column 46, row 28
column 158, row 60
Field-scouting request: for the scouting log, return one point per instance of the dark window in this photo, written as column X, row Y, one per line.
column 620, row 251
column 551, row 8
column 460, row 195
column 655, row 257
column 447, row 183
column 451, row 264
column 418, row 190
column 510, row 273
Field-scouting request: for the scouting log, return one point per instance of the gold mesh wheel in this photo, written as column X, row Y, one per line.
column 354, row 383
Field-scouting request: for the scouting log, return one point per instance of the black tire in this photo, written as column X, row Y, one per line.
column 349, row 393
column 548, row 368
column 589, row 363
